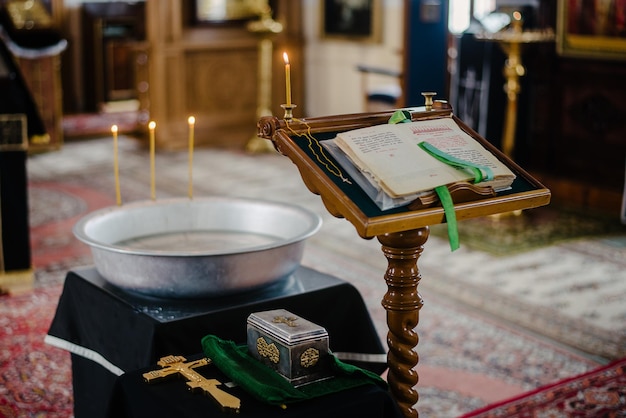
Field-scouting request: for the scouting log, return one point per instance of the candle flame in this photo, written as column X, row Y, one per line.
column 191, row 120
column 152, row 125
column 116, row 169
column 286, row 58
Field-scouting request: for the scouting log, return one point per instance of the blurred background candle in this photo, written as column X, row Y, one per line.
column 517, row 22
column 287, row 78
column 192, row 122
column 116, row 167
column 152, row 127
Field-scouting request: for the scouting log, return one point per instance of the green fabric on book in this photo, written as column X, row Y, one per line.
column 268, row 386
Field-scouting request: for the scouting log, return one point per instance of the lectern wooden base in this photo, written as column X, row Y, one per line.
column 401, row 231
column 403, row 303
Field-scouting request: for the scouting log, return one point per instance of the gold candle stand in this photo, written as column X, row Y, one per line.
column 288, row 111
column 266, row 28
column 511, row 41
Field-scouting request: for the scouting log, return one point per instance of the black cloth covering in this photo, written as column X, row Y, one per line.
column 133, row 398
column 100, row 322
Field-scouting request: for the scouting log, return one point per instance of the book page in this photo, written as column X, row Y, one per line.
column 447, row 136
column 391, row 155
column 365, row 181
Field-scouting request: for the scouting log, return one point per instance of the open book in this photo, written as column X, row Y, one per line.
column 389, row 158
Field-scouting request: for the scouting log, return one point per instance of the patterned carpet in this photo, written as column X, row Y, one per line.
column 35, row 379
column 537, row 228
column 479, row 342
column 599, row 393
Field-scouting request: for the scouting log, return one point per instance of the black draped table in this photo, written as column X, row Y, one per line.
column 110, row 332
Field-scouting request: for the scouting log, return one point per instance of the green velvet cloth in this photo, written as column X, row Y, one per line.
column 268, row 386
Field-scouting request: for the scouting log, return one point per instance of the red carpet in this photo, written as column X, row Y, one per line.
column 35, row 379
column 599, row 393
column 58, row 207
column 84, row 125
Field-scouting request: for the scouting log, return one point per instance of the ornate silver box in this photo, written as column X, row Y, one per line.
column 295, row 348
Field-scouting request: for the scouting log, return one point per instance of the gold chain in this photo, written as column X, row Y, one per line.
column 321, row 157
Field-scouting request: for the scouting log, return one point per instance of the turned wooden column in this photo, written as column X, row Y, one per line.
column 403, row 303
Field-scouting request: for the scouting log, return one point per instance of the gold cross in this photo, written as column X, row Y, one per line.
column 289, row 321
column 175, row 365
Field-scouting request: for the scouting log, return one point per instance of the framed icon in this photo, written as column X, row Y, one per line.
column 356, row 20
column 591, row 29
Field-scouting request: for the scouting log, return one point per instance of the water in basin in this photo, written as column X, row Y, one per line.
column 198, row 241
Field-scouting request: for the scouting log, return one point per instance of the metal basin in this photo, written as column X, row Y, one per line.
column 197, row 248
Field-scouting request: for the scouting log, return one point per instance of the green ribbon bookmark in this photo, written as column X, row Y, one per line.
column 476, row 169
column 400, row 116
column 448, row 208
column 403, row 116
column 444, row 193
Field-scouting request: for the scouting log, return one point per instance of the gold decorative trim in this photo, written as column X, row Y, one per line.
column 289, row 321
column 310, row 357
column 269, row 351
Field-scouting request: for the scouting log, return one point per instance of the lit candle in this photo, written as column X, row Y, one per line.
column 152, row 127
column 287, row 78
column 517, row 22
column 116, row 167
column 191, row 121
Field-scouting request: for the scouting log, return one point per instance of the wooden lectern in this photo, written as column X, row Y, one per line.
column 401, row 231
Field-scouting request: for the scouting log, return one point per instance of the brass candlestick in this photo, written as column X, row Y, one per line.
column 428, row 99
column 511, row 41
column 265, row 27
column 288, row 111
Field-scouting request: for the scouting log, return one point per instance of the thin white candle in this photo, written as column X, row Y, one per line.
column 287, row 78
column 192, row 122
column 116, row 167
column 152, row 127
column 517, row 22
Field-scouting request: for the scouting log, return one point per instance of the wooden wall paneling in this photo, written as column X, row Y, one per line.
column 158, row 30
column 221, row 86
column 141, row 58
column 210, row 72
column 171, row 119
column 594, row 120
